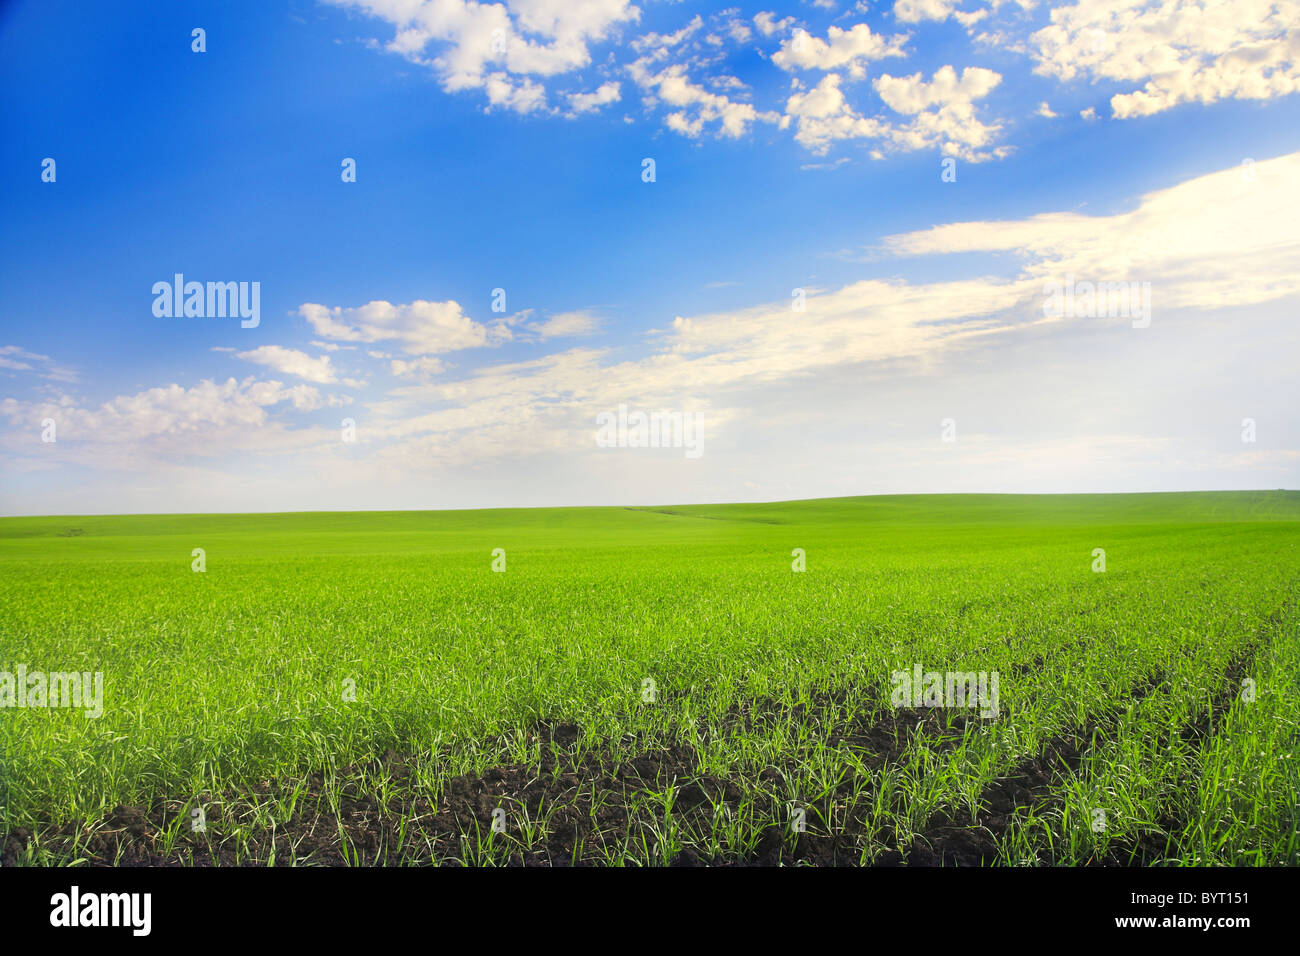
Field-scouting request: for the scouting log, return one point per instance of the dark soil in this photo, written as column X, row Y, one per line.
column 951, row 840
column 1152, row 848
column 594, row 799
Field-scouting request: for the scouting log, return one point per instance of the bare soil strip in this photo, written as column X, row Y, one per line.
column 1035, row 784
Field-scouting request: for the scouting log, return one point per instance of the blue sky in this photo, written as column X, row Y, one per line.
column 796, row 146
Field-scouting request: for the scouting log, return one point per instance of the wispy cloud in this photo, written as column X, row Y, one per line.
column 16, row 359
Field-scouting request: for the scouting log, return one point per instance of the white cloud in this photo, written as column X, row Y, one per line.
column 172, row 411
column 739, row 31
column 473, row 45
column 420, row 327
column 823, row 115
column 911, row 94
column 1166, row 51
column 914, row 11
column 833, row 164
column 1180, row 51
column 1221, row 240
column 417, row 367
column 522, row 96
column 853, row 49
column 969, row 19
column 768, row 24
column 11, row 357
column 16, row 359
column 942, row 111
column 288, row 361
column 567, row 324
column 945, row 110
column 697, row 106
column 918, row 11
column 659, row 44
column 606, row 93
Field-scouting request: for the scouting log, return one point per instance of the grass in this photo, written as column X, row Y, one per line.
column 770, row 688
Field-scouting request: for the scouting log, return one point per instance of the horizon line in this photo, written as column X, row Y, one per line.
column 637, row 507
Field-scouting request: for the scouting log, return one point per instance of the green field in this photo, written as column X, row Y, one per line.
column 1162, row 694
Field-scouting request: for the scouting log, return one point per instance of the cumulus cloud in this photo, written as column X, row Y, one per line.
column 739, row 31
column 420, row 327
column 169, row 411
column 522, row 96
column 1168, row 51
column 768, row 24
column 969, row 19
column 659, row 44
column 823, row 115
column 697, row 108
column 914, row 11
column 605, row 94
column 1179, row 51
column 471, row 45
column 942, row 112
column 851, row 49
